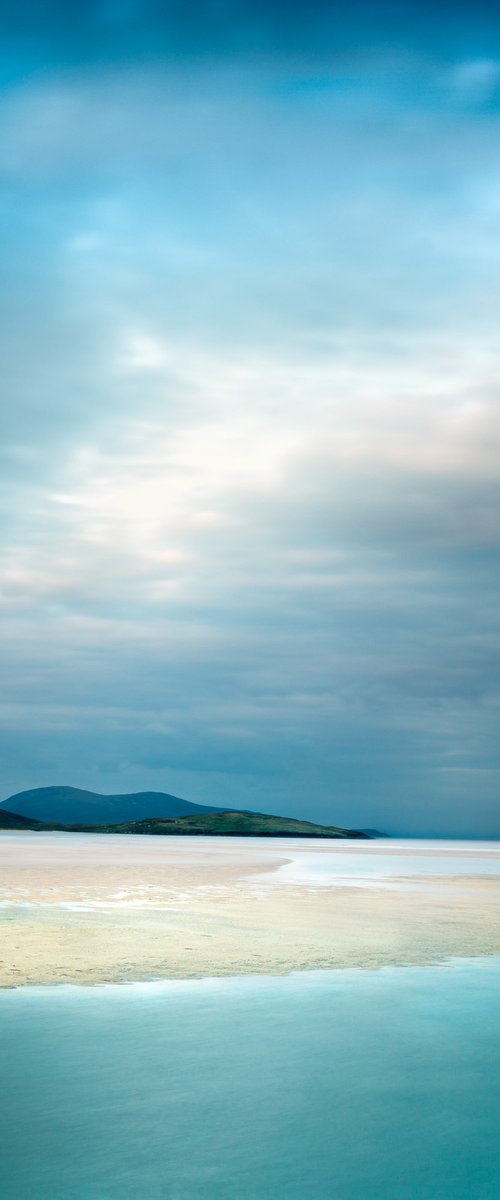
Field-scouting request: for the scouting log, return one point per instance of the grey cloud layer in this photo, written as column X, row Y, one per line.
column 110, row 30
column 249, row 502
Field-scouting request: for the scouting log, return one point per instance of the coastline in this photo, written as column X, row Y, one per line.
column 74, row 915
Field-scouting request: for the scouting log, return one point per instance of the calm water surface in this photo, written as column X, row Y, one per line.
column 333, row 1086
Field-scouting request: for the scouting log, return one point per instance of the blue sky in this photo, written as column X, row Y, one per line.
column 249, row 495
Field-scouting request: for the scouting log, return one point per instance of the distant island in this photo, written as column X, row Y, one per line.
column 71, row 810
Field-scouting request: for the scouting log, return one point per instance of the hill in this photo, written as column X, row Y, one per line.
column 72, row 806
column 10, row 820
column 239, row 824
column 214, row 824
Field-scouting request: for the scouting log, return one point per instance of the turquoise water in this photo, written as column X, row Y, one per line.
column 334, row 1086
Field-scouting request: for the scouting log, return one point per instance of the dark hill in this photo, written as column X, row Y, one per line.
column 10, row 820
column 72, row 806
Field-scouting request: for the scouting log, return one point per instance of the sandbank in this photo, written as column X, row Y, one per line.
column 93, row 909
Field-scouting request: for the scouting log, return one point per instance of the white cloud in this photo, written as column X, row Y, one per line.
column 474, row 81
column 143, row 352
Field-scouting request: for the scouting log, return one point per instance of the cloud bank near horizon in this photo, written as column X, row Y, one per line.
column 250, row 455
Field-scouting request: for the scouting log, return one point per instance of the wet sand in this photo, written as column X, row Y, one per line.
column 95, row 909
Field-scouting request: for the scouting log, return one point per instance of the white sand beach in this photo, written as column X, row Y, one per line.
column 100, row 908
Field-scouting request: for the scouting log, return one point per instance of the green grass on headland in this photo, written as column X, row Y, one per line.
column 213, row 824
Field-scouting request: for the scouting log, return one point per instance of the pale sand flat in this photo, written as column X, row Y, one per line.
column 105, row 909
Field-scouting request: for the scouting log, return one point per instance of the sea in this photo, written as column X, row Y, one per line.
column 344, row 1085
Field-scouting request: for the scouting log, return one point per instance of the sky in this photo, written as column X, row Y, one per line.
column 249, row 484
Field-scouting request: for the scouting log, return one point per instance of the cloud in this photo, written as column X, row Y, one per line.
column 475, row 81
column 249, row 502
column 106, row 31
column 248, row 597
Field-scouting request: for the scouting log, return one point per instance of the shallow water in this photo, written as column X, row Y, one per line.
column 382, row 861
column 346, row 1086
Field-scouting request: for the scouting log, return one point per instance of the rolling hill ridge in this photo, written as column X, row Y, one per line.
column 71, row 810
column 73, row 806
